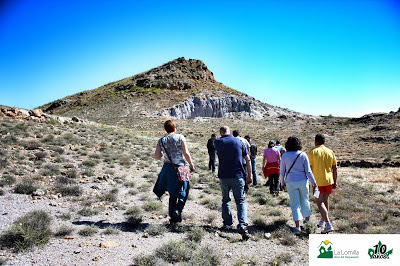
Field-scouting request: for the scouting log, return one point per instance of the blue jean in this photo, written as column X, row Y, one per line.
column 253, row 169
column 237, row 187
column 299, row 199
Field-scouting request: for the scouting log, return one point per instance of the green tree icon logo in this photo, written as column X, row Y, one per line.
column 379, row 252
column 325, row 250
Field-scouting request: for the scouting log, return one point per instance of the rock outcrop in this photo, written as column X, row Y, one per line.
column 178, row 74
column 226, row 106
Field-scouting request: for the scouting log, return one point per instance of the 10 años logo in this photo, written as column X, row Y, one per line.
column 379, row 252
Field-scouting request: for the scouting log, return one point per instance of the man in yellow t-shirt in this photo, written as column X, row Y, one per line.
column 323, row 166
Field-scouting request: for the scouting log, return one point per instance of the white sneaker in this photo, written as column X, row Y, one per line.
column 328, row 228
column 321, row 223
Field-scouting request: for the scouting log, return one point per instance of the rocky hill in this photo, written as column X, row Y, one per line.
column 180, row 88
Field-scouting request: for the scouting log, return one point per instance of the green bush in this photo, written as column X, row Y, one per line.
column 63, row 230
column 26, row 186
column 134, row 216
column 174, row 251
column 196, row 234
column 7, row 180
column 89, row 163
column 87, row 212
column 309, row 228
column 27, row 231
column 206, row 257
column 88, row 230
column 156, row 229
column 152, row 206
column 68, row 190
column 145, row 260
column 111, row 230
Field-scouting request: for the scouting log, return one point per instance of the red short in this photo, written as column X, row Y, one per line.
column 327, row 189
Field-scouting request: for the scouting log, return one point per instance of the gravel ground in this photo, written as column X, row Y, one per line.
column 86, row 250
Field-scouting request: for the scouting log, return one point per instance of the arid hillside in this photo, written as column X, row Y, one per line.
column 76, row 180
column 90, row 189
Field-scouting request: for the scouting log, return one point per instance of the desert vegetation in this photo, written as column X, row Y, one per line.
column 66, row 187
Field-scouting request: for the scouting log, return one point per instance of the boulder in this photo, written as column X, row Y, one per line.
column 109, row 244
column 23, row 113
column 14, row 110
column 10, row 114
column 36, row 113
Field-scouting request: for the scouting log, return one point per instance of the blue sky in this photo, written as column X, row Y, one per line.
column 325, row 57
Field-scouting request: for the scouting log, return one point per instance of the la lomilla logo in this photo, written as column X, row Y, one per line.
column 325, row 250
column 379, row 251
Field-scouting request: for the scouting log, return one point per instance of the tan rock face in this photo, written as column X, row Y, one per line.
column 109, row 244
column 37, row 112
column 23, row 113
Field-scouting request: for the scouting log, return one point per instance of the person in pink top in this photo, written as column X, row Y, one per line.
column 270, row 167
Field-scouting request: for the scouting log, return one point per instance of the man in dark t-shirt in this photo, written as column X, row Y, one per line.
column 211, row 152
column 253, row 155
column 230, row 151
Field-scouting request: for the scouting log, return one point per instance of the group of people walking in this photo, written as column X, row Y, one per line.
column 287, row 168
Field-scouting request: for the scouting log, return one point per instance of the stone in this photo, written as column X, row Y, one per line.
column 53, row 203
column 267, row 235
column 69, row 237
column 96, row 259
column 10, row 114
column 23, row 113
column 38, row 192
column 109, row 244
column 14, row 110
column 76, row 119
column 146, row 235
column 36, row 112
column 229, row 255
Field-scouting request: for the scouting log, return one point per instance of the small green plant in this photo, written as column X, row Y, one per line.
column 211, row 218
column 156, row 229
column 285, row 237
column 26, row 186
column 196, row 234
column 65, row 216
column 145, row 260
column 89, row 163
column 72, row 173
column 134, row 216
column 40, row 155
column 7, row 180
column 130, row 184
column 63, row 230
column 87, row 211
column 286, row 258
column 309, row 228
column 30, row 230
column 111, row 230
column 152, row 206
column 206, row 256
column 174, row 251
column 260, row 222
column 68, row 190
column 110, row 197
column 89, row 230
